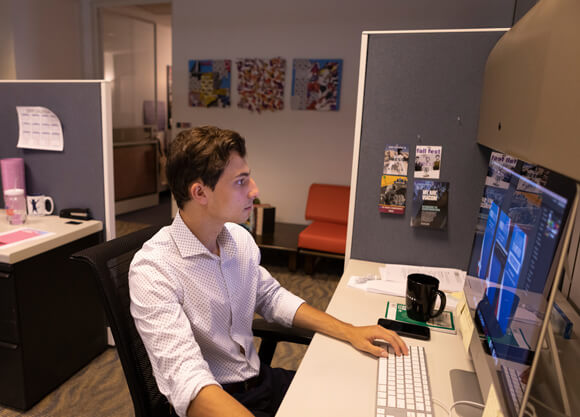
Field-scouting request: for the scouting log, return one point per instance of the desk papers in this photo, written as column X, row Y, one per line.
column 450, row 279
column 393, row 280
column 19, row 235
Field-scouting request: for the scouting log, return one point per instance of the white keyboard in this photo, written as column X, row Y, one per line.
column 403, row 388
column 514, row 385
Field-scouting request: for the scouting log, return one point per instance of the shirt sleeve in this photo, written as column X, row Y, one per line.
column 274, row 302
column 176, row 359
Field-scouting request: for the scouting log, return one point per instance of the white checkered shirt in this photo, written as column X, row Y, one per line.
column 194, row 309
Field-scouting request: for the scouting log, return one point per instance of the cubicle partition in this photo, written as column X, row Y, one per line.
column 81, row 175
column 419, row 88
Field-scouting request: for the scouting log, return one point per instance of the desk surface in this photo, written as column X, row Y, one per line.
column 334, row 379
column 61, row 234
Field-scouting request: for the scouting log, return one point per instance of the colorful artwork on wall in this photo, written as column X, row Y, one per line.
column 261, row 83
column 209, row 83
column 316, row 84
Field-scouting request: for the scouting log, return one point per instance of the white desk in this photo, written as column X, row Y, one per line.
column 61, row 234
column 336, row 380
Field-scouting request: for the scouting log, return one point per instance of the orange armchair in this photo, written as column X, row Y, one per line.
column 327, row 207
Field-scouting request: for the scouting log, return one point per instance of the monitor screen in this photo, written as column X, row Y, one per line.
column 510, row 278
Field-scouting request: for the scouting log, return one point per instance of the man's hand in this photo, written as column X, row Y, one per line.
column 362, row 337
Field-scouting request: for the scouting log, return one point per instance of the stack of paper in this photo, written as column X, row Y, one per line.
column 393, row 279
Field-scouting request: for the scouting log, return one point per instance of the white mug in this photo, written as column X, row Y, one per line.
column 39, row 205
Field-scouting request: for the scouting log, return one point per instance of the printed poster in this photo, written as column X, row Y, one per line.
column 393, row 197
column 396, row 160
column 430, row 204
column 534, row 173
column 316, row 84
column 495, row 177
column 261, row 83
column 393, row 194
column 427, row 161
column 209, row 83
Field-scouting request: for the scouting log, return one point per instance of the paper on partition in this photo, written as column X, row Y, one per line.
column 39, row 128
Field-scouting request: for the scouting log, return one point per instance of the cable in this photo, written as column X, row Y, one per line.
column 471, row 403
column 440, row 404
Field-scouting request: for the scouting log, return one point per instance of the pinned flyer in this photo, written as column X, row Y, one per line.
column 427, row 161
column 39, row 128
column 393, row 195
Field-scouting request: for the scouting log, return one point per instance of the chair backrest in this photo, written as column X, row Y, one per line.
column 328, row 203
column 109, row 263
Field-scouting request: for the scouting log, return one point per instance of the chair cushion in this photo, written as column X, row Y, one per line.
column 328, row 203
column 327, row 237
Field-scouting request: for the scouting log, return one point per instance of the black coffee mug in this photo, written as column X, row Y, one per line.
column 422, row 291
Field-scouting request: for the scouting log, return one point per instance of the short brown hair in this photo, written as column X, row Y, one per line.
column 200, row 154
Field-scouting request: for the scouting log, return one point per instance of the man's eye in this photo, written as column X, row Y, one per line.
column 242, row 181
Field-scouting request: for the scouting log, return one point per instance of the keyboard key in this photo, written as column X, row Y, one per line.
column 403, row 385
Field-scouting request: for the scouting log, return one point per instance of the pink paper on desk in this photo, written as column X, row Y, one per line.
column 19, row 235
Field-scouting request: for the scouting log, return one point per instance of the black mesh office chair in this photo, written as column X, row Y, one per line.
column 109, row 264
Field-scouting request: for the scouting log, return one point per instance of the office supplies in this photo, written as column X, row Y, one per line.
column 402, row 328
column 403, row 384
column 76, row 213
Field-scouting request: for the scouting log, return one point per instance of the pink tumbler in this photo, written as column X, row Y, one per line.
column 13, row 185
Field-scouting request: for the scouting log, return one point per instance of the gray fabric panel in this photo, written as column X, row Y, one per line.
column 73, row 177
column 422, row 89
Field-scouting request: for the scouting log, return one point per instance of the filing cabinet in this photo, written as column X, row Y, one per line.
column 51, row 320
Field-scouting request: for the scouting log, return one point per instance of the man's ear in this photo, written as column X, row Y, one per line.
column 197, row 192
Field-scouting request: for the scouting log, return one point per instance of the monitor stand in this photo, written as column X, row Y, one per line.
column 465, row 387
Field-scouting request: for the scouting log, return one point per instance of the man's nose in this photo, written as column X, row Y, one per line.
column 254, row 191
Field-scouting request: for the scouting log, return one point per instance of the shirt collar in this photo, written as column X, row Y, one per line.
column 189, row 245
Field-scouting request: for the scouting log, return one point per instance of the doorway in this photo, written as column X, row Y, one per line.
column 135, row 56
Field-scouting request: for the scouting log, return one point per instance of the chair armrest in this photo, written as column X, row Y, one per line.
column 272, row 333
column 279, row 333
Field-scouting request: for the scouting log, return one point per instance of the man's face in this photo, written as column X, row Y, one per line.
column 234, row 193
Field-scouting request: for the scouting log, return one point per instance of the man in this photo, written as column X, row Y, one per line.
column 196, row 285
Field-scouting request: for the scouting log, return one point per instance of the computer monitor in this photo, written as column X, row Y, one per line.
column 510, row 287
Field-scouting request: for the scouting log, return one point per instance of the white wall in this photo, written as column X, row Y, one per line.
column 288, row 150
column 46, row 39
column 7, row 65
